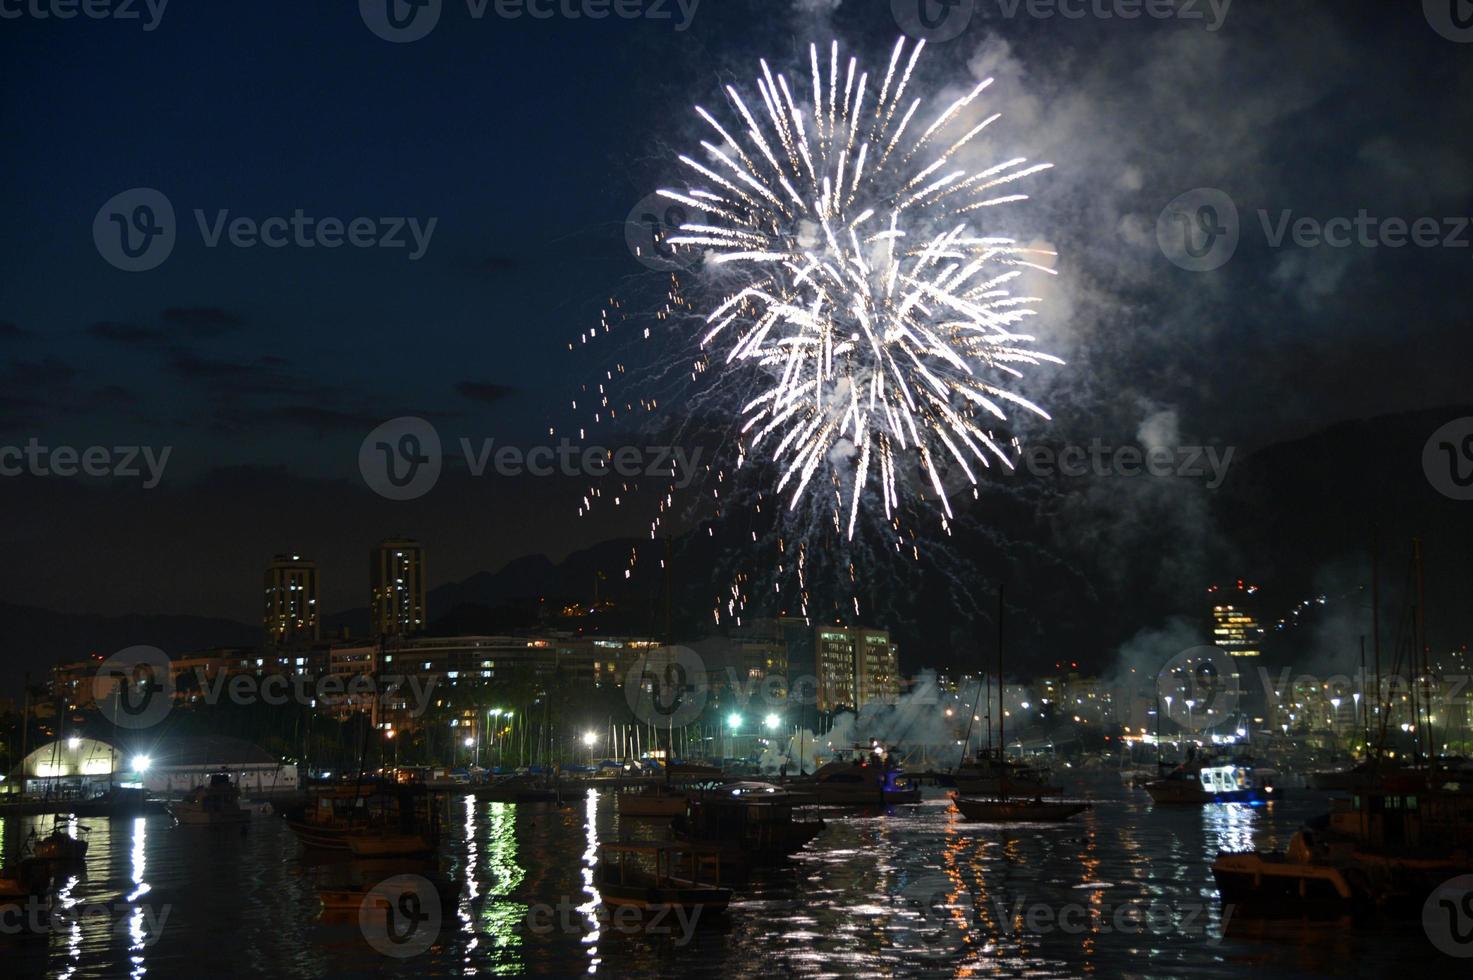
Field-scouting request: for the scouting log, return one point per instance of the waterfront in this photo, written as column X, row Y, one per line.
column 1123, row 890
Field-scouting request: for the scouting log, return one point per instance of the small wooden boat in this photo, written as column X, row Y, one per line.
column 658, row 877
column 1016, row 811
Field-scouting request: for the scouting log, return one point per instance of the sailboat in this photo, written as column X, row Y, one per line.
column 1001, row 809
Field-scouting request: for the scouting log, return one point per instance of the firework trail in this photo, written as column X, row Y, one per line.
column 865, row 325
column 876, row 316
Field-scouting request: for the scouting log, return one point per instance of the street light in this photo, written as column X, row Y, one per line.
column 733, row 720
column 772, row 722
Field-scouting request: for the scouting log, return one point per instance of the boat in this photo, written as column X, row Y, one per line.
column 214, row 804
column 119, row 802
column 670, row 797
column 1036, row 810
column 58, row 846
column 661, row 877
column 998, row 806
column 517, row 788
column 23, row 885
column 867, row 778
column 750, row 824
column 1383, row 850
column 1203, row 779
column 374, row 812
column 376, row 842
column 658, row 802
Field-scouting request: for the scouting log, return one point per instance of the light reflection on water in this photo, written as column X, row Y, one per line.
column 914, row 892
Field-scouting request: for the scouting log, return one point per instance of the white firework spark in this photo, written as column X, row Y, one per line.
column 876, row 315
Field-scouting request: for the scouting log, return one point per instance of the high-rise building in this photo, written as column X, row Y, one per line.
column 855, row 666
column 290, row 613
column 1235, row 627
column 397, row 575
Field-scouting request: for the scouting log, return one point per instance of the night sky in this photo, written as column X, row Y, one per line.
column 528, row 141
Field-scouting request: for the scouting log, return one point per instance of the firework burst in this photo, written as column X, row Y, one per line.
column 857, row 290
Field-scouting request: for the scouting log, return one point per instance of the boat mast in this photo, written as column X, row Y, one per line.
column 1002, row 742
column 1420, row 660
column 1376, row 633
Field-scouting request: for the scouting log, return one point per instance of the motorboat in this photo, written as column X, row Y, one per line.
column 659, row 877
column 751, row 824
column 670, row 797
column 867, row 778
column 214, row 804
column 1202, row 779
column 1003, row 810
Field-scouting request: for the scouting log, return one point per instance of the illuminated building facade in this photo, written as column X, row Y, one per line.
column 855, row 666
column 396, row 574
column 1235, row 627
column 290, row 613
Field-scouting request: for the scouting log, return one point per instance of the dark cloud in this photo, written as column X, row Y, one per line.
column 201, row 321
column 124, row 333
column 485, row 392
column 495, row 265
column 11, row 331
column 318, row 419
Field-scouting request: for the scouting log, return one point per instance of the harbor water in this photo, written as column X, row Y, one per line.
column 1122, row 890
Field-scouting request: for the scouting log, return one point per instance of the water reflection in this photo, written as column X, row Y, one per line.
column 915, row 891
